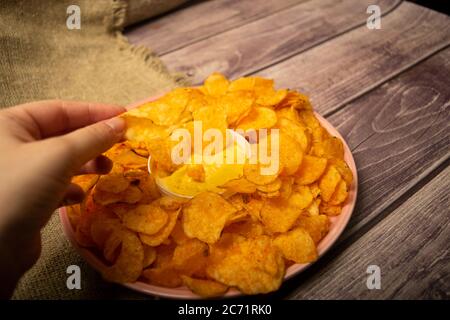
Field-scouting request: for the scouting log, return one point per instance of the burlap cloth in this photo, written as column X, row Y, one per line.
column 42, row 59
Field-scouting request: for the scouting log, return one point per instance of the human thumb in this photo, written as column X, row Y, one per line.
column 87, row 143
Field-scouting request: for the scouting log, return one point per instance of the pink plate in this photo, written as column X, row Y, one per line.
column 337, row 226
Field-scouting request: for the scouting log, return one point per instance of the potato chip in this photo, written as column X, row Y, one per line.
column 129, row 263
column 199, row 99
column 295, row 100
column 74, row 215
column 211, row 118
column 205, row 216
column 330, row 148
column 247, row 228
column 274, row 194
column 242, row 84
column 286, row 187
column 146, row 218
column 131, row 195
column 301, row 198
column 241, row 185
column 178, row 234
column 329, row 182
column 102, row 227
column 291, row 154
column 258, row 118
column 138, row 147
column 169, row 203
column 131, row 160
column 134, row 175
column 161, row 151
column 262, row 262
column 271, row 187
column 165, row 111
column 163, row 234
column 313, row 208
column 296, row 245
column 253, row 173
column 149, row 256
column 216, row 84
column 149, row 188
column 90, row 209
column 143, row 130
column 204, row 288
column 237, row 201
column 295, row 131
column 114, row 183
column 290, row 114
column 278, row 215
column 86, row 181
column 191, row 257
column 343, row 169
column 340, row 194
column 310, row 170
column 164, row 255
column 237, row 216
column 271, row 97
column 319, row 135
column 317, row 226
column 112, row 246
column 329, row 209
column 315, row 190
column 254, row 207
column 166, row 277
column 237, row 105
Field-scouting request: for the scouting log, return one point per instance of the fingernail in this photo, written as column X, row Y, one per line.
column 117, row 124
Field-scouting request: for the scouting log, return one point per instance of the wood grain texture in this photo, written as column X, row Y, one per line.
column 411, row 247
column 199, row 21
column 398, row 134
column 340, row 70
column 269, row 40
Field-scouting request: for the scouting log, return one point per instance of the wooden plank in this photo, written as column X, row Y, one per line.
column 410, row 246
column 398, row 134
column 199, row 21
column 340, row 70
column 264, row 42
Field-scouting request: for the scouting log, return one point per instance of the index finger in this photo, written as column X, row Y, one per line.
column 56, row 117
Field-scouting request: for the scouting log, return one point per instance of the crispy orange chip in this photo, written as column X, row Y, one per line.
column 262, row 262
column 216, row 84
column 317, row 226
column 146, row 218
column 164, row 233
column 204, row 288
column 310, row 170
column 258, row 118
column 205, row 216
column 329, row 182
column 297, row 245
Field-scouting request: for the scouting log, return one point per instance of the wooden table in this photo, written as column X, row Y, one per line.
column 386, row 90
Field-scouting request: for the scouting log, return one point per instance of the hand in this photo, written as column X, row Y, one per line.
column 42, row 145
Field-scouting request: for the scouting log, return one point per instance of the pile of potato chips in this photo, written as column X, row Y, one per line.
column 212, row 242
